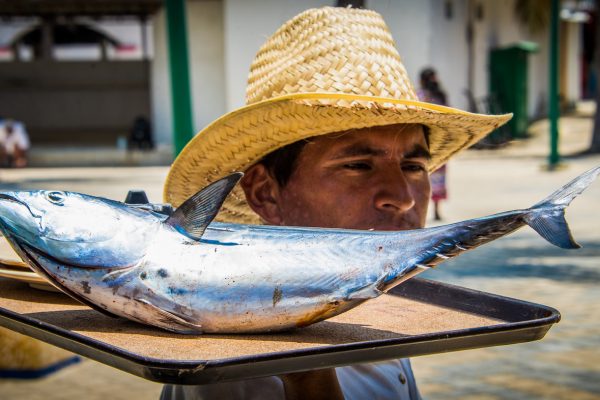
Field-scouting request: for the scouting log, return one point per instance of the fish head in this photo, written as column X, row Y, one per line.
column 73, row 228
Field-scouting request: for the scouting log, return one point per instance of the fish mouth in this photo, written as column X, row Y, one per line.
column 6, row 197
column 32, row 254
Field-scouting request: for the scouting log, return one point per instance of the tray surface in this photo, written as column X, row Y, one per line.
column 8, row 255
column 11, row 266
column 420, row 317
column 20, row 274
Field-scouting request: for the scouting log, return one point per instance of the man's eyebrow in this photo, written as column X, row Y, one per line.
column 357, row 150
column 360, row 150
column 418, row 151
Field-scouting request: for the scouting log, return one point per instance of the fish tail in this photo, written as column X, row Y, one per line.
column 548, row 216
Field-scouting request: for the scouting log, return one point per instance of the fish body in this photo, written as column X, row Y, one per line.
column 187, row 274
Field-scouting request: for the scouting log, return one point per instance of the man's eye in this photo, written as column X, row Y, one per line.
column 414, row 168
column 357, row 166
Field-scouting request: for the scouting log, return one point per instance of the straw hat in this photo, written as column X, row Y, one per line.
column 326, row 70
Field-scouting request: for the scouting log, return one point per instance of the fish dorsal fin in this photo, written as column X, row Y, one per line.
column 194, row 215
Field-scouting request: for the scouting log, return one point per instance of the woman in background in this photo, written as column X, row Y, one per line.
column 431, row 92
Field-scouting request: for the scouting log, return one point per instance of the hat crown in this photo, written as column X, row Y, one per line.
column 326, row 70
column 330, row 50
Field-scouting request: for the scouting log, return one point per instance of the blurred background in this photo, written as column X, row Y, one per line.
column 80, row 75
column 107, row 93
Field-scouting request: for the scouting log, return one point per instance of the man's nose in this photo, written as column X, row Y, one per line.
column 393, row 193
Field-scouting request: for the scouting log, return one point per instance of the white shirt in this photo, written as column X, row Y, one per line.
column 18, row 138
column 384, row 380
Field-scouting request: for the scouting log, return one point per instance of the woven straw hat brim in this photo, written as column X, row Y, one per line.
column 242, row 137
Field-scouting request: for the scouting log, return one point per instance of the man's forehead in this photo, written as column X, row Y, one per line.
column 404, row 141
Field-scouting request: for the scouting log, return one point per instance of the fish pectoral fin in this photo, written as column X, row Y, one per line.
column 170, row 321
column 194, row 215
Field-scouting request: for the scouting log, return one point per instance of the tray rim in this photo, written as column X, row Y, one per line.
column 230, row 368
column 27, row 276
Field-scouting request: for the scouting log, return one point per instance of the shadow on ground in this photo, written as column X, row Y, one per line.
column 511, row 259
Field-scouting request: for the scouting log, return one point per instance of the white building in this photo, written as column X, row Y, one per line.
column 224, row 35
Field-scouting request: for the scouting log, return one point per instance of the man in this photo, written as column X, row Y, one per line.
column 14, row 144
column 332, row 136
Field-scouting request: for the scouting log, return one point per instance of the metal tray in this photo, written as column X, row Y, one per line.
column 418, row 317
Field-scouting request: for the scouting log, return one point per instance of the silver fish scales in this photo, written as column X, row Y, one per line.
column 187, row 274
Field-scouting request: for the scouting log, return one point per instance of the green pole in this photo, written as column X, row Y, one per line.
column 554, row 112
column 183, row 129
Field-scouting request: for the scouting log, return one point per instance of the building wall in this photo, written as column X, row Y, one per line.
column 75, row 103
column 448, row 52
column 502, row 29
column 409, row 22
column 207, row 60
column 247, row 25
column 573, row 61
column 160, row 87
column 206, row 65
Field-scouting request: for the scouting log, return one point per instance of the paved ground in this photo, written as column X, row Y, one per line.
column 564, row 365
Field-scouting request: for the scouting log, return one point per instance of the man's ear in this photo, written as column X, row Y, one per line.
column 262, row 193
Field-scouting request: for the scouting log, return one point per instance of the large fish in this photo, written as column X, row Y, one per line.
column 184, row 275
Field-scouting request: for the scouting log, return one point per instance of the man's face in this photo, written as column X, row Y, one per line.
column 373, row 178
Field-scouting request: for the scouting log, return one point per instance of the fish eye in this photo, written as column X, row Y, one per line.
column 55, row 197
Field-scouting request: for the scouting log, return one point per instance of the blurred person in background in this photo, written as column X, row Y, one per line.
column 14, row 144
column 140, row 136
column 432, row 92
